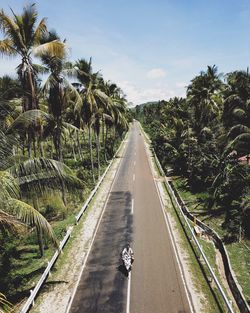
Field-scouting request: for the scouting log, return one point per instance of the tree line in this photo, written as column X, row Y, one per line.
column 205, row 137
column 60, row 122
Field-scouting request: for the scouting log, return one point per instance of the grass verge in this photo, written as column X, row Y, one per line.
column 239, row 252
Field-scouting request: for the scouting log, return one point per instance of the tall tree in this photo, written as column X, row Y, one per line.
column 22, row 33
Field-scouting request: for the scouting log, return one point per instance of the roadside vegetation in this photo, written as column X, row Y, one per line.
column 60, row 124
column 203, row 140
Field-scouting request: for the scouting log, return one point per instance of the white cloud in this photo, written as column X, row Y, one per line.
column 8, row 66
column 181, row 84
column 138, row 95
column 156, row 73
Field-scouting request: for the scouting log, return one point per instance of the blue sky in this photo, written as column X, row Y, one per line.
column 150, row 48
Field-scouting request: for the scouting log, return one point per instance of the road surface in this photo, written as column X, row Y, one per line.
column 133, row 213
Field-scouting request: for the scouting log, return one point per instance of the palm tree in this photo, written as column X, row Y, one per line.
column 9, row 88
column 57, row 89
column 91, row 107
column 20, row 178
column 21, row 35
column 236, row 112
column 204, row 96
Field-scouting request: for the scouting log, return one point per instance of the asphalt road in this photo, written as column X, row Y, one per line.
column 133, row 213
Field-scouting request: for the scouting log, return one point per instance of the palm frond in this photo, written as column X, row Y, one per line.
column 11, row 30
column 40, row 69
column 6, row 47
column 5, row 305
column 40, row 31
column 52, row 48
column 72, row 92
column 28, row 118
column 241, row 143
column 71, row 127
column 6, row 144
column 9, row 222
column 42, row 174
column 9, row 187
column 237, row 130
column 239, row 113
column 31, row 217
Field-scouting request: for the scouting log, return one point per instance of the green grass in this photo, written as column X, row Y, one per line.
column 239, row 253
column 26, row 265
column 197, row 268
column 63, row 258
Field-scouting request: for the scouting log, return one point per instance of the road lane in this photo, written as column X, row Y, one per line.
column 156, row 286
column 133, row 213
column 103, row 285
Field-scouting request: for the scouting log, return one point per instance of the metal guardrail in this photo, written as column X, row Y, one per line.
column 33, row 293
column 226, row 301
column 231, row 279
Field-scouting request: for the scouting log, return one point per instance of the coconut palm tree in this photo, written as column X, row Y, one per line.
column 57, row 89
column 93, row 103
column 22, row 33
column 20, row 178
column 9, row 88
column 236, row 112
column 204, row 97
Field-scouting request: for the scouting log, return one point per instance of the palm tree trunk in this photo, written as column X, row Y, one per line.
column 105, row 143
column 29, row 143
column 57, row 140
column 34, row 147
column 40, row 241
column 98, row 154
column 79, row 146
column 39, row 231
column 64, row 193
column 32, row 91
column 91, row 153
column 73, row 149
column 51, row 151
column 40, row 144
column 60, row 147
column 103, row 131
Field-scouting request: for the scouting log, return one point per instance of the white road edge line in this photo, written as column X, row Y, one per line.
column 132, row 206
column 93, row 238
column 170, row 233
column 134, row 163
column 133, row 177
column 128, row 293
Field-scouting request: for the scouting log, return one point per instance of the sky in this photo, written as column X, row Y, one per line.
column 150, row 48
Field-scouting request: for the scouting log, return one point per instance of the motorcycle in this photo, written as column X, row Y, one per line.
column 127, row 262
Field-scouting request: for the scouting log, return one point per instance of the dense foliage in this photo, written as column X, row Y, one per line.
column 55, row 138
column 205, row 137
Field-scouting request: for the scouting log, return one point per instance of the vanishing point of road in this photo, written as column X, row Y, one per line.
column 133, row 213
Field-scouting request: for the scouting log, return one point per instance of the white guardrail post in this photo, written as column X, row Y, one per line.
column 33, row 293
column 227, row 302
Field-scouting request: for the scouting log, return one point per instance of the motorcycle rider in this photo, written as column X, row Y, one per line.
column 128, row 252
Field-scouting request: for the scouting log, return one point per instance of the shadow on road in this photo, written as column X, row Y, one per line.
column 121, row 268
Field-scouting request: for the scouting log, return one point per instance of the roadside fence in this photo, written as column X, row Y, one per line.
column 33, row 293
column 184, row 212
